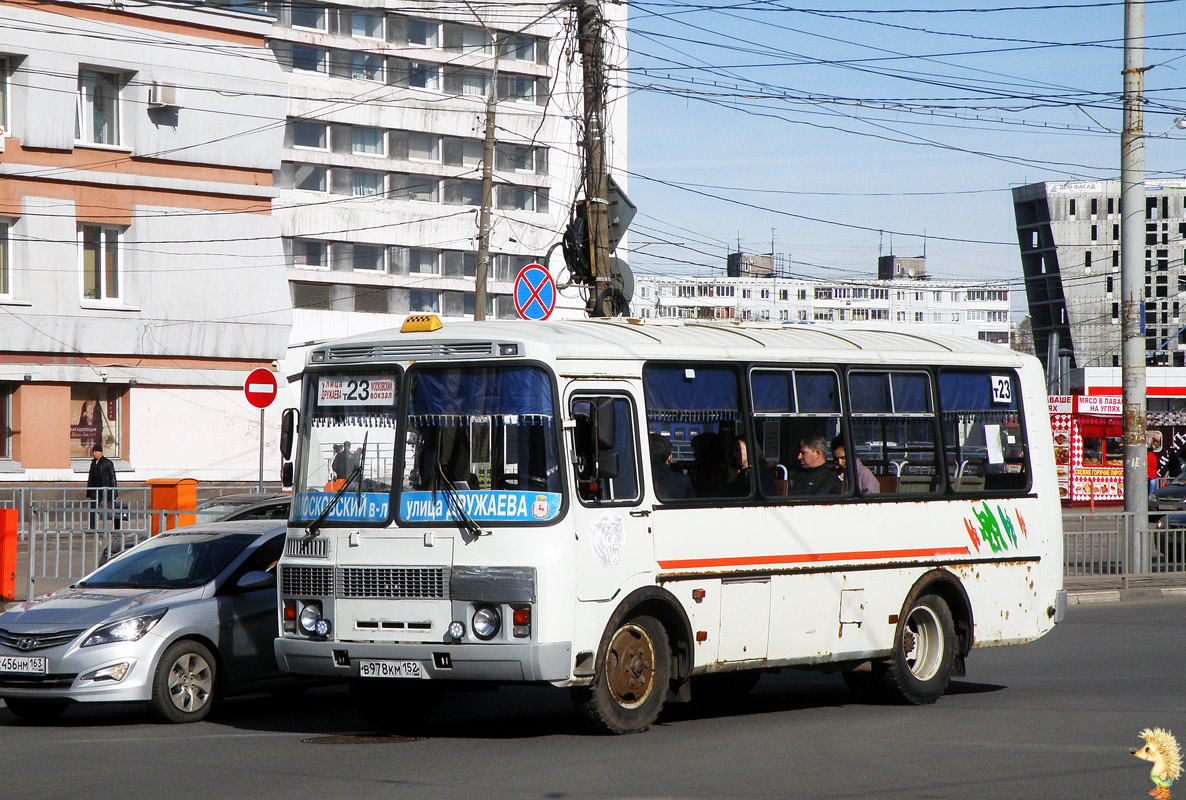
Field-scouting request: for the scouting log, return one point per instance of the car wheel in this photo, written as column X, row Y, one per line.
column 631, row 684
column 35, row 710
column 921, row 666
column 183, row 687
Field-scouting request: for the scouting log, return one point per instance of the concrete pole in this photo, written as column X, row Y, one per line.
column 589, row 25
column 1132, row 282
column 482, row 272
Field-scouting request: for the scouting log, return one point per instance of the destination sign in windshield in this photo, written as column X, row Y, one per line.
column 356, row 390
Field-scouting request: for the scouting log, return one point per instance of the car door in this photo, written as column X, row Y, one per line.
column 248, row 619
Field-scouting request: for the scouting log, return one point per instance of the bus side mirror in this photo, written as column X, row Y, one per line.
column 604, row 421
column 607, row 464
column 287, row 430
column 286, row 475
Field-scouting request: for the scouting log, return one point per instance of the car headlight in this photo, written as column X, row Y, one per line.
column 130, row 629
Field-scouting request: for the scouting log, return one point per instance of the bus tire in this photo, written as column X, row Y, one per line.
column 631, row 683
column 394, row 705
column 920, row 668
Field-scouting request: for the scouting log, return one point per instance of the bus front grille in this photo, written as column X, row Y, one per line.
column 393, row 582
column 307, row 581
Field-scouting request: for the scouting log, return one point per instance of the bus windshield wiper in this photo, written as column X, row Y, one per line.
column 314, row 527
column 465, row 523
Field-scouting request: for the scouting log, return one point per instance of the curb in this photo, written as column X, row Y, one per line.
column 1123, row 595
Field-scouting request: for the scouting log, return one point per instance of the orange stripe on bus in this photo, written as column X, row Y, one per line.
column 811, row 558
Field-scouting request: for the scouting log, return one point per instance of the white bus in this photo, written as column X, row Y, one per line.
column 645, row 513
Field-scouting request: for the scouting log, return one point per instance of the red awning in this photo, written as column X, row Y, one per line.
column 1092, row 427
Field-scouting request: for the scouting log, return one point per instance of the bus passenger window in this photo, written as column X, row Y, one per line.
column 697, row 408
column 982, row 432
column 893, row 429
column 794, row 410
column 606, row 468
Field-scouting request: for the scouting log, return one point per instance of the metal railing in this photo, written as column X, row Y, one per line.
column 1111, row 548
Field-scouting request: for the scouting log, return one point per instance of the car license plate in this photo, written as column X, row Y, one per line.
column 33, row 664
column 390, row 669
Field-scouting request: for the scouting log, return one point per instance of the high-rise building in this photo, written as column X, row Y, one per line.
column 1069, row 234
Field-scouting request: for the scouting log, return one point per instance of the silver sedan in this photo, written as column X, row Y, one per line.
column 184, row 618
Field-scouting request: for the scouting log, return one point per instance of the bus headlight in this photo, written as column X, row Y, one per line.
column 486, row 623
column 311, row 621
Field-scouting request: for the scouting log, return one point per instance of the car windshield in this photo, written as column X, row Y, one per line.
column 171, row 562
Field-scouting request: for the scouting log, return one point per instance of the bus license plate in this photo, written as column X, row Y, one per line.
column 390, row 669
column 33, row 664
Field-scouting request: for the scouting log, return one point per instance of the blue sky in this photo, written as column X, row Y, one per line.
column 890, row 115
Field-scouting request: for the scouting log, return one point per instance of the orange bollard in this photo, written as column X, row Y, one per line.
column 9, row 520
column 1091, row 496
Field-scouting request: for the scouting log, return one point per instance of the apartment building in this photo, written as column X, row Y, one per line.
column 141, row 272
column 381, row 178
column 1069, row 234
column 953, row 308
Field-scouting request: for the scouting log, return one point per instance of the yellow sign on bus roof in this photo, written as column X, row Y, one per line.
column 420, row 323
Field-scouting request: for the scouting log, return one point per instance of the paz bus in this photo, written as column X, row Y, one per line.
column 631, row 511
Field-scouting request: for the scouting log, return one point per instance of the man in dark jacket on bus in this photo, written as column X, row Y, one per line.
column 815, row 477
column 100, row 485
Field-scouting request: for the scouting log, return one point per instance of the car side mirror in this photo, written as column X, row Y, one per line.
column 286, row 475
column 256, row 579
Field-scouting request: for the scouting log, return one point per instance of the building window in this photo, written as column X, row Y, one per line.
column 475, row 83
column 521, row 198
column 308, row 59
column 518, row 47
column 415, row 187
column 424, row 76
column 424, row 146
column 366, row 183
column 475, row 40
column 423, row 33
column 4, row 126
column 311, row 295
column 423, row 300
column 309, row 254
column 366, row 67
column 513, row 157
column 309, row 135
column 366, row 24
column 370, row 299
column 367, row 257
column 516, row 87
column 308, row 15
column 99, row 251
column 98, row 409
column 97, row 121
column 308, row 177
column 369, row 142
column 463, row 193
column 423, row 262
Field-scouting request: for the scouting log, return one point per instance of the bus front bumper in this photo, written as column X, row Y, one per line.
column 548, row 662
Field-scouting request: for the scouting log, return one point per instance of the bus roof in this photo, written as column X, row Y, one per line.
column 622, row 339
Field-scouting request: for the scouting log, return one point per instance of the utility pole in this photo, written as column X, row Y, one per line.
column 1132, row 284
column 589, row 26
column 482, row 272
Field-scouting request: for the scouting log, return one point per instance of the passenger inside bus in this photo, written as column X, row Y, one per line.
column 670, row 483
column 815, row 477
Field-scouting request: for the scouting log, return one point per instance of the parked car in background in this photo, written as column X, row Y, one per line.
column 1170, row 497
column 177, row 622
column 253, row 505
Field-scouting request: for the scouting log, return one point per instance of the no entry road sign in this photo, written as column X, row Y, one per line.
column 535, row 293
column 260, row 388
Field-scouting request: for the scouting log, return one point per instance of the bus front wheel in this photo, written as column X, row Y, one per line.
column 631, row 681
column 924, row 655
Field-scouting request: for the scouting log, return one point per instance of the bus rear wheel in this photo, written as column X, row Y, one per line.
column 924, row 655
column 631, row 681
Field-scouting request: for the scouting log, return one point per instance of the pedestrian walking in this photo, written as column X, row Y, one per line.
column 101, row 486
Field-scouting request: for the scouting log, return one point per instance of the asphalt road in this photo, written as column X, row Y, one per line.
column 1054, row 719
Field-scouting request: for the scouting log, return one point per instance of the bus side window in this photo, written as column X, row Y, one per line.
column 893, row 429
column 605, row 448
column 983, row 436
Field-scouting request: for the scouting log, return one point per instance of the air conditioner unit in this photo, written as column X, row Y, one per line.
column 164, row 95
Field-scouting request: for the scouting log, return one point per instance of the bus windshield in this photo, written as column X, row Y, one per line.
column 480, row 442
column 348, row 430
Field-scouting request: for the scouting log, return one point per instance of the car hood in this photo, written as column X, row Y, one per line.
column 81, row 607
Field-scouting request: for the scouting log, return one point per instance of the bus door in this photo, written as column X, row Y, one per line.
column 613, row 538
